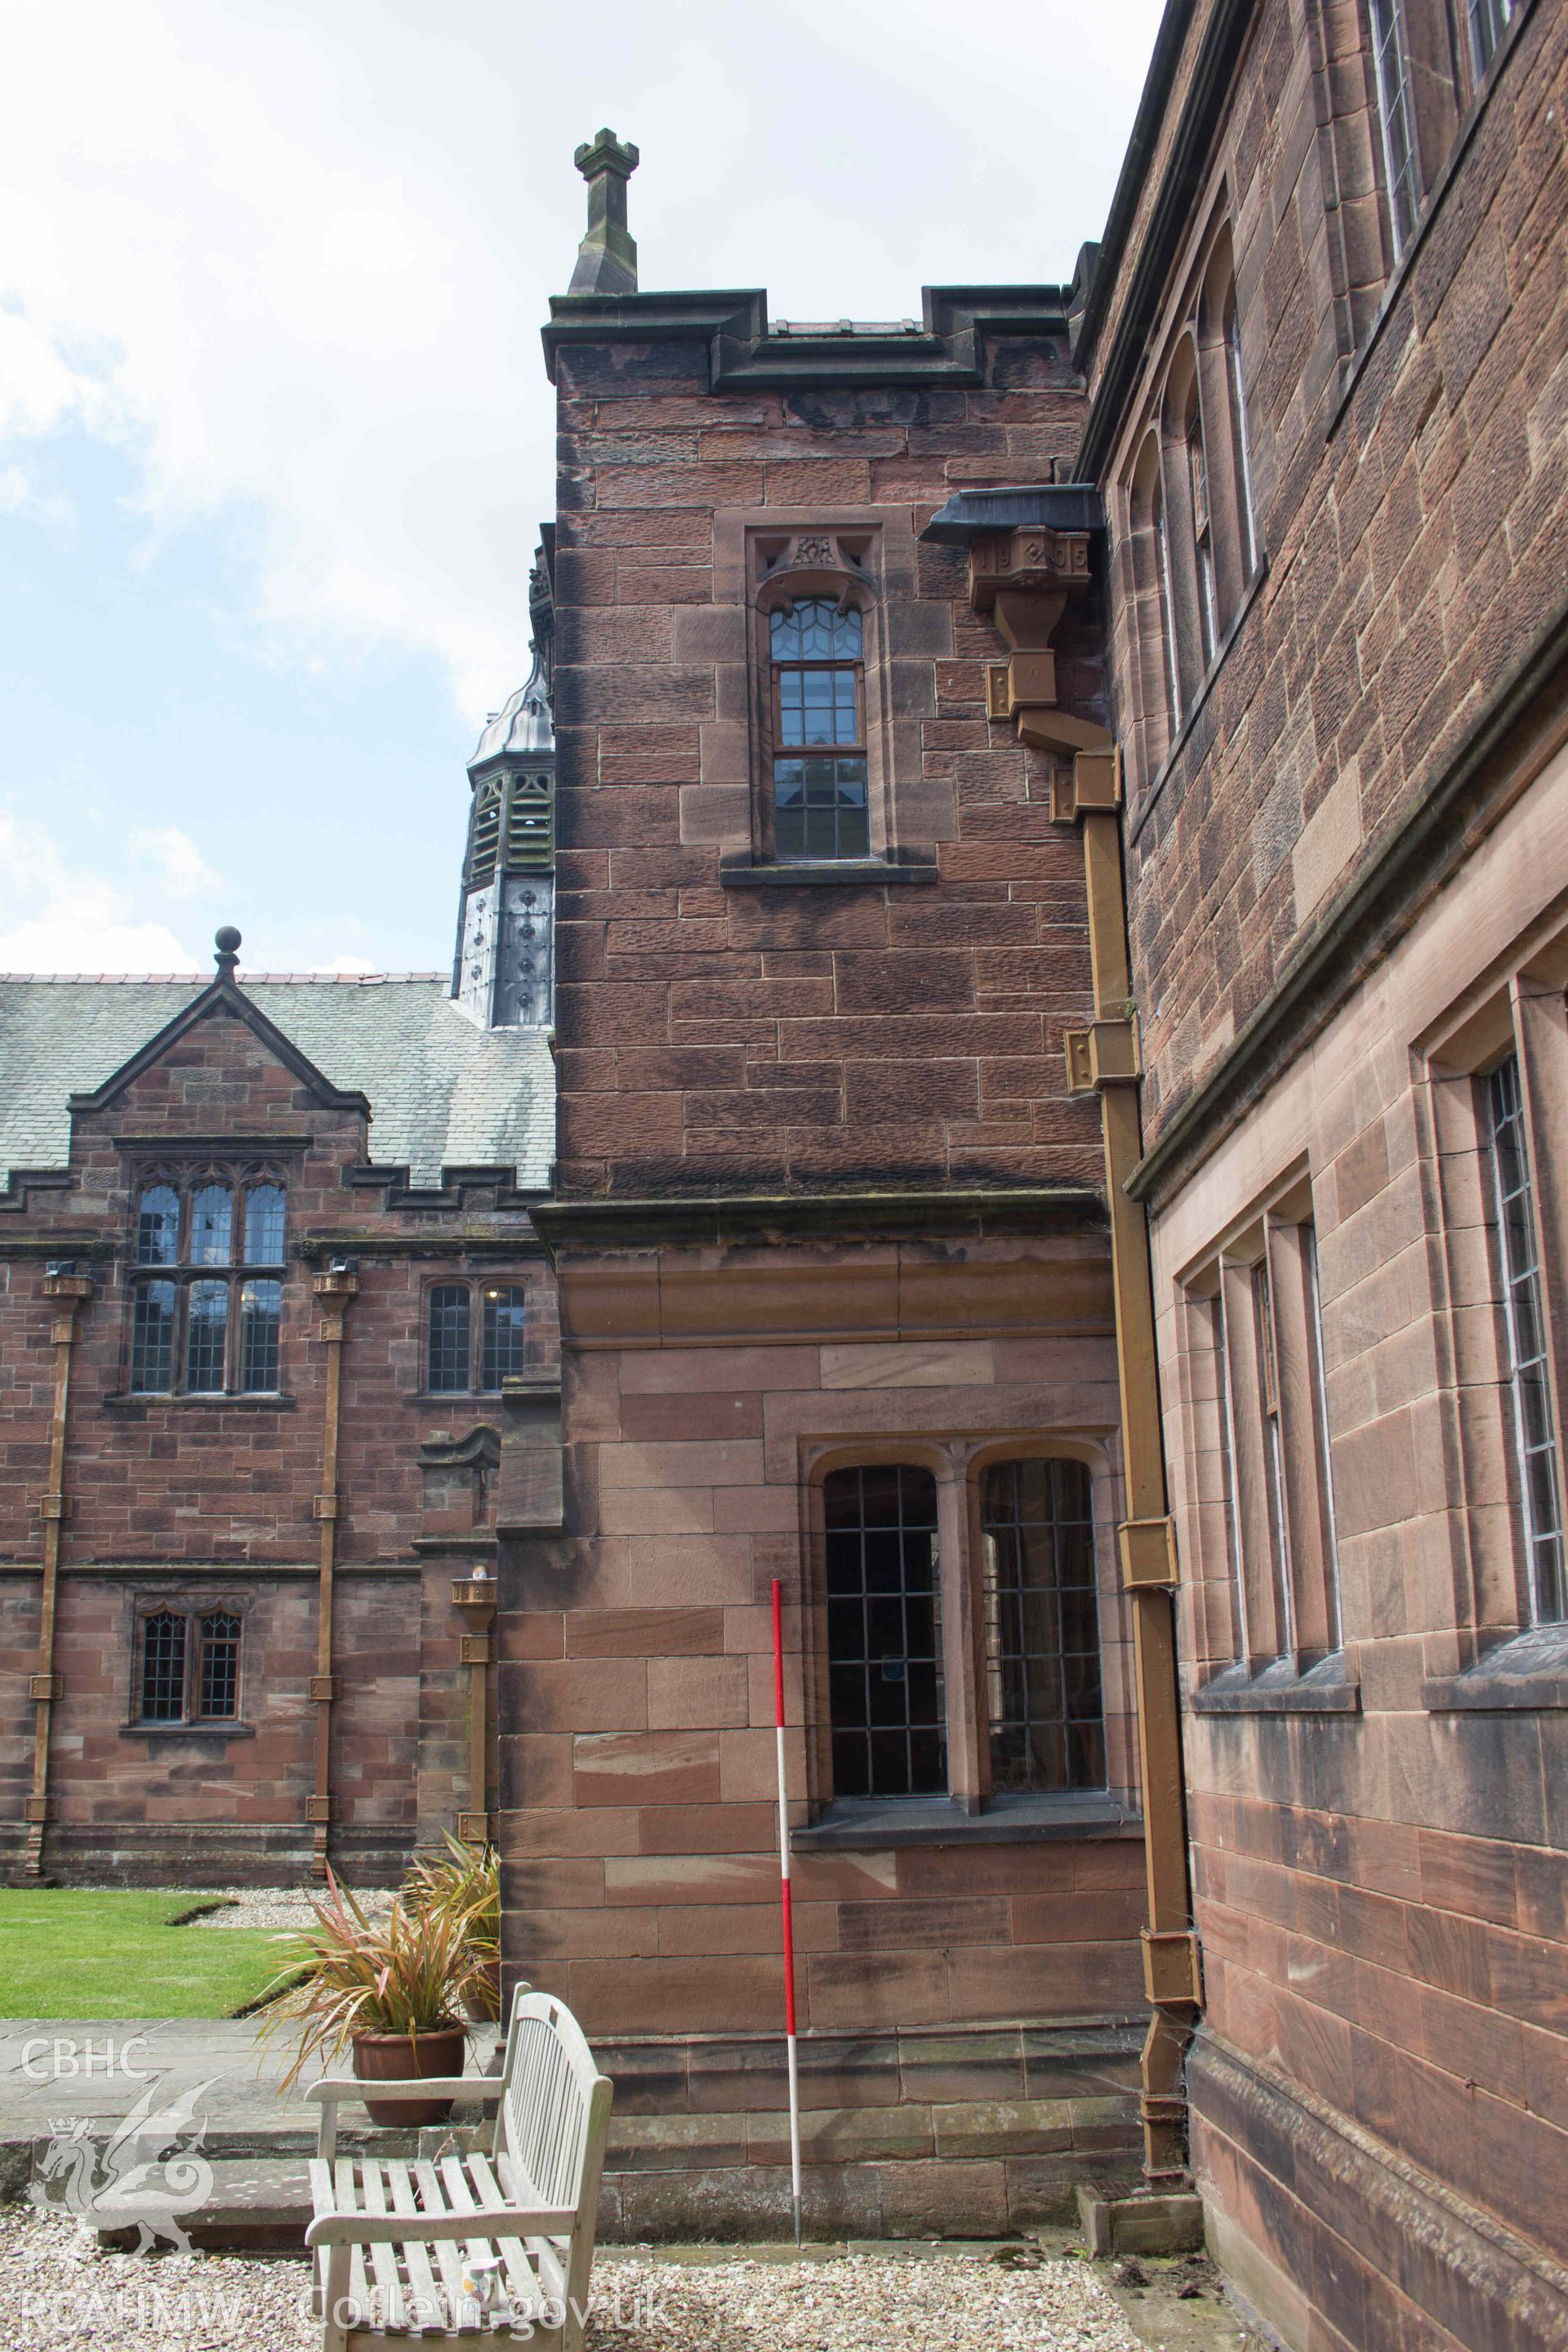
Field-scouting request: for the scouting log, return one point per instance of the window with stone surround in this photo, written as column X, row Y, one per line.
column 1498, row 1097
column 187, row 1666
column 1400, row 78
column 477, row 1336
column 1526, row 1354
column 962, row 1639
column 821, row 774
column 1258, row 1402
column 207, row 1296
column 1040, row 1602
column 1187, row 500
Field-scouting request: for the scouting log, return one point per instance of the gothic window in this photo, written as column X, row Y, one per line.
column 884, row 1633
column 1487, row 21
column 819, row 768
column 1189, row 494
column 1395, row 82
column 477, row 1336
column 188, row 1666
column 1042, row 1627
column 1203, row 532
column 1527, row 1367
column 1258, row 1351
column 204, row 1320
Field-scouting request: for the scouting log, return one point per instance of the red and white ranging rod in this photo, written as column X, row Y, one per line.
column 788, row 1921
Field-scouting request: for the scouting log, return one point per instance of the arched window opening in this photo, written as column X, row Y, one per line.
column 1202, row 531
column 218, row 1697
column 1162, row 537
column 211, row 1224
column 206, row 1327
column 264, row 1226
column 884, row 1633
column 821, row 808
column 1397, row 119
column 1241, row 452
column 158, row 1226
column 1042, row 1627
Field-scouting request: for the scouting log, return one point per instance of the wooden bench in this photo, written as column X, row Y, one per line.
column 391, row 2239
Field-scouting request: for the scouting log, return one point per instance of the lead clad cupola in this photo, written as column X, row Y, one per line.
column 504, row 978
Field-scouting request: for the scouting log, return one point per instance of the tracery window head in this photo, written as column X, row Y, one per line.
column 821, row 809
column 201, row 1322
column 187, row 1666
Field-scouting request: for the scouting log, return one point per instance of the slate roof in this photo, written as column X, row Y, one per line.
column 443, row 1093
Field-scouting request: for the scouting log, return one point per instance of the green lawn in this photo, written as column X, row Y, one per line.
column 75, row 1952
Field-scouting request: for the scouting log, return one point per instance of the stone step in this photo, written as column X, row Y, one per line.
column 256, row 2205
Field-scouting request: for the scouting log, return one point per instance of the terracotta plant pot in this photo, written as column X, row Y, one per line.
column 403, row 2057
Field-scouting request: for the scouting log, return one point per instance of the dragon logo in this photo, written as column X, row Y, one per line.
column 148, row 2173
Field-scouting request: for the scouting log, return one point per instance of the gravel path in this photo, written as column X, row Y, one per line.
column 278, row 1907
column 55, row 2291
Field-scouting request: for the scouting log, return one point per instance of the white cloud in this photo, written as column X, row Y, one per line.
column 294, row 259
column 59, row 917
column 173, row 858
column 23, row 495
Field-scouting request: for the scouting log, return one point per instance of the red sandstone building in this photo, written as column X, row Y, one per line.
column 1060, row 1057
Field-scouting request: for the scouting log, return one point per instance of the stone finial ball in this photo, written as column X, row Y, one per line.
column 225, row 940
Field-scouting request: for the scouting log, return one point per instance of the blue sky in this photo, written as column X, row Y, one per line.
column 274, row 429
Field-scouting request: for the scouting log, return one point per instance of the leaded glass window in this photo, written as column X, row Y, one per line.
column 820, row 804
column 152, row 1337
column 212, row 1224
column 219, row 1693
column 264, row 1226
column 207, row 1337
column 162, row 1667
column 1040, row 1602
column 1489, row 19
column 505, row 1335
column 1524, row 1316
column 884, row 1633
column 158, row 1226
column 1397, row 117
column 260, row 1321
column 447, row 1369
column 207, row 1326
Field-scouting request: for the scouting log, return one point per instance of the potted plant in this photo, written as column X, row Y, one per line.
column 392, row 1984
column 465, row 1885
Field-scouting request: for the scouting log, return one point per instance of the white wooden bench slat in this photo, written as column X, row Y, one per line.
column 446, row 2249
column 383, row 2256
column 424, row 2294
column 524, row 2287
column 389, row 2236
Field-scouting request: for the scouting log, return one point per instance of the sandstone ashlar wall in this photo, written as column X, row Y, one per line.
column 718, row 1038
column 970, row 2006
column 1383, row 1895
column 1409, row 488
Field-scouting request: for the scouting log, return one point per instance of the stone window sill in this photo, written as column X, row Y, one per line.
column 1326, row 1688
column 1529, row 1673
column 187, row 1731
column 863, row 1824
column 855, row 873
column 274, row 1400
